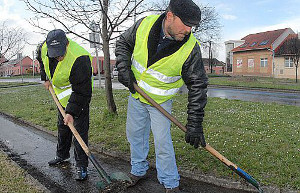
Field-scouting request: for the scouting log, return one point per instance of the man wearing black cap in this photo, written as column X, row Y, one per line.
column 160, row 54
column 67, row 66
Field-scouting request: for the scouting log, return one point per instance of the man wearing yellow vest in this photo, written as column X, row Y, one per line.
column 67, row 66
column 160, row 54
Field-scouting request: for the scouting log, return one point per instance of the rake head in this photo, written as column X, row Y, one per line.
column 119, row 182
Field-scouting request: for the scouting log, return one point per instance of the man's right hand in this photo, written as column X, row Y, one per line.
column 126, row 77
column 194, row 135
column 47, row 84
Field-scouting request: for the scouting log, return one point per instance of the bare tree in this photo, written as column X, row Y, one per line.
column 208, row 32
column 209, row 28
column 291, row 48
column 76, row 17
column 12, row 41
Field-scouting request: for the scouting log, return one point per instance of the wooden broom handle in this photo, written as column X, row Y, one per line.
column 71, row 126
column 181, row 126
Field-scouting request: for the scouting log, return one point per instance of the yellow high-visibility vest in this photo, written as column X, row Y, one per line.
column 162, row 80
column 60, row 79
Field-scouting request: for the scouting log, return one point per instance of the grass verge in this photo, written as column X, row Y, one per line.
column 12, row 178
column 256, row 82
column 262, row 139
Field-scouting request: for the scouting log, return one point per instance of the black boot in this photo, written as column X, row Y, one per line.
column 57, row 161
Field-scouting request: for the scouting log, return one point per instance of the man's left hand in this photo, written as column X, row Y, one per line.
column 68, row 119
column 194, row 135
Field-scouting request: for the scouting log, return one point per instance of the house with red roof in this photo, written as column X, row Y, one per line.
column 255, row 53
column 19, row 66
column 101, row 65
column 283, row 62
column 218, row 67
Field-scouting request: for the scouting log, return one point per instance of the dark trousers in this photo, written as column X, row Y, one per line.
column 65, row 137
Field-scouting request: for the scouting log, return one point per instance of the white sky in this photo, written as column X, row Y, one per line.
column 238, row 18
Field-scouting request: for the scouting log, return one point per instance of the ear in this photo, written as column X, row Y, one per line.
column 170, row 16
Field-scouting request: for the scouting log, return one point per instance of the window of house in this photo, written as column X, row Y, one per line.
column 263, row 62
column 253, row 44
column 264, row 42
column 288, row 62
column 244, row 45
column 239, row 63
column 250, row 63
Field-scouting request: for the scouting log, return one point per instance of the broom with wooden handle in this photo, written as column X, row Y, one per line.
column 119, row 176
column 210, row 149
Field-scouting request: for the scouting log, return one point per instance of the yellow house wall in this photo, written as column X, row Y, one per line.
column 284, row 72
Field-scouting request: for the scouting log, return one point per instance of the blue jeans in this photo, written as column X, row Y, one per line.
column 141, row 118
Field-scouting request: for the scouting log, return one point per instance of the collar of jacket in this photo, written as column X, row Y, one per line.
column 153, row 40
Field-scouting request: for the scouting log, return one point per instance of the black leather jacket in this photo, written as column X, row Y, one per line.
column 193, row 72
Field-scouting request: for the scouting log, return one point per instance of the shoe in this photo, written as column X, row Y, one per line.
column 81, row 174
column 57, row 161
column 135, row 179
column 173, row 190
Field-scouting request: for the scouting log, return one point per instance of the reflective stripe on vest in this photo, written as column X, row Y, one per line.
column 159, row 76
column 63, row 87
column 64, row 94
column 60, row 79
column 157, row 91
column 162, row 80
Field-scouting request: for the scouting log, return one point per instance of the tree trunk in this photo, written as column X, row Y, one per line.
column 209, row 58
column 297, row 73
column 107, row 72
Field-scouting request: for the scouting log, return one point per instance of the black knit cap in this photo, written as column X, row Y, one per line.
column 187, row 11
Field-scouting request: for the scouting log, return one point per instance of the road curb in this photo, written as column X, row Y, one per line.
column 221, row 182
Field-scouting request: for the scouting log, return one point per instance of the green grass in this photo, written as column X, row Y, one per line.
column 257, row 82
column 12, row 178
column 262, row 139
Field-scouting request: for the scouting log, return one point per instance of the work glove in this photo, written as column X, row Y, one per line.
column 126, row 77
column 194, row 134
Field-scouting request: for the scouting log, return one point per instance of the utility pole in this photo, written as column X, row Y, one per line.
column 94, row 37
column 98, row 66
column 33, row 64
column 134, row 11
column 210, row 57
column 21, row 68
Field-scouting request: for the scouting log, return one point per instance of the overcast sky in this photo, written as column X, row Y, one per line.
column 238, row 17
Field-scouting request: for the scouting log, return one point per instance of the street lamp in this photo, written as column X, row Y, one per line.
column 95, row 37
column 273, row 64
column 33, row 69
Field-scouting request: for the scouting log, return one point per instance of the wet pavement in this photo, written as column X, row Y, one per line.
column 285, row 98
column 270, row 96
column 32, row 149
